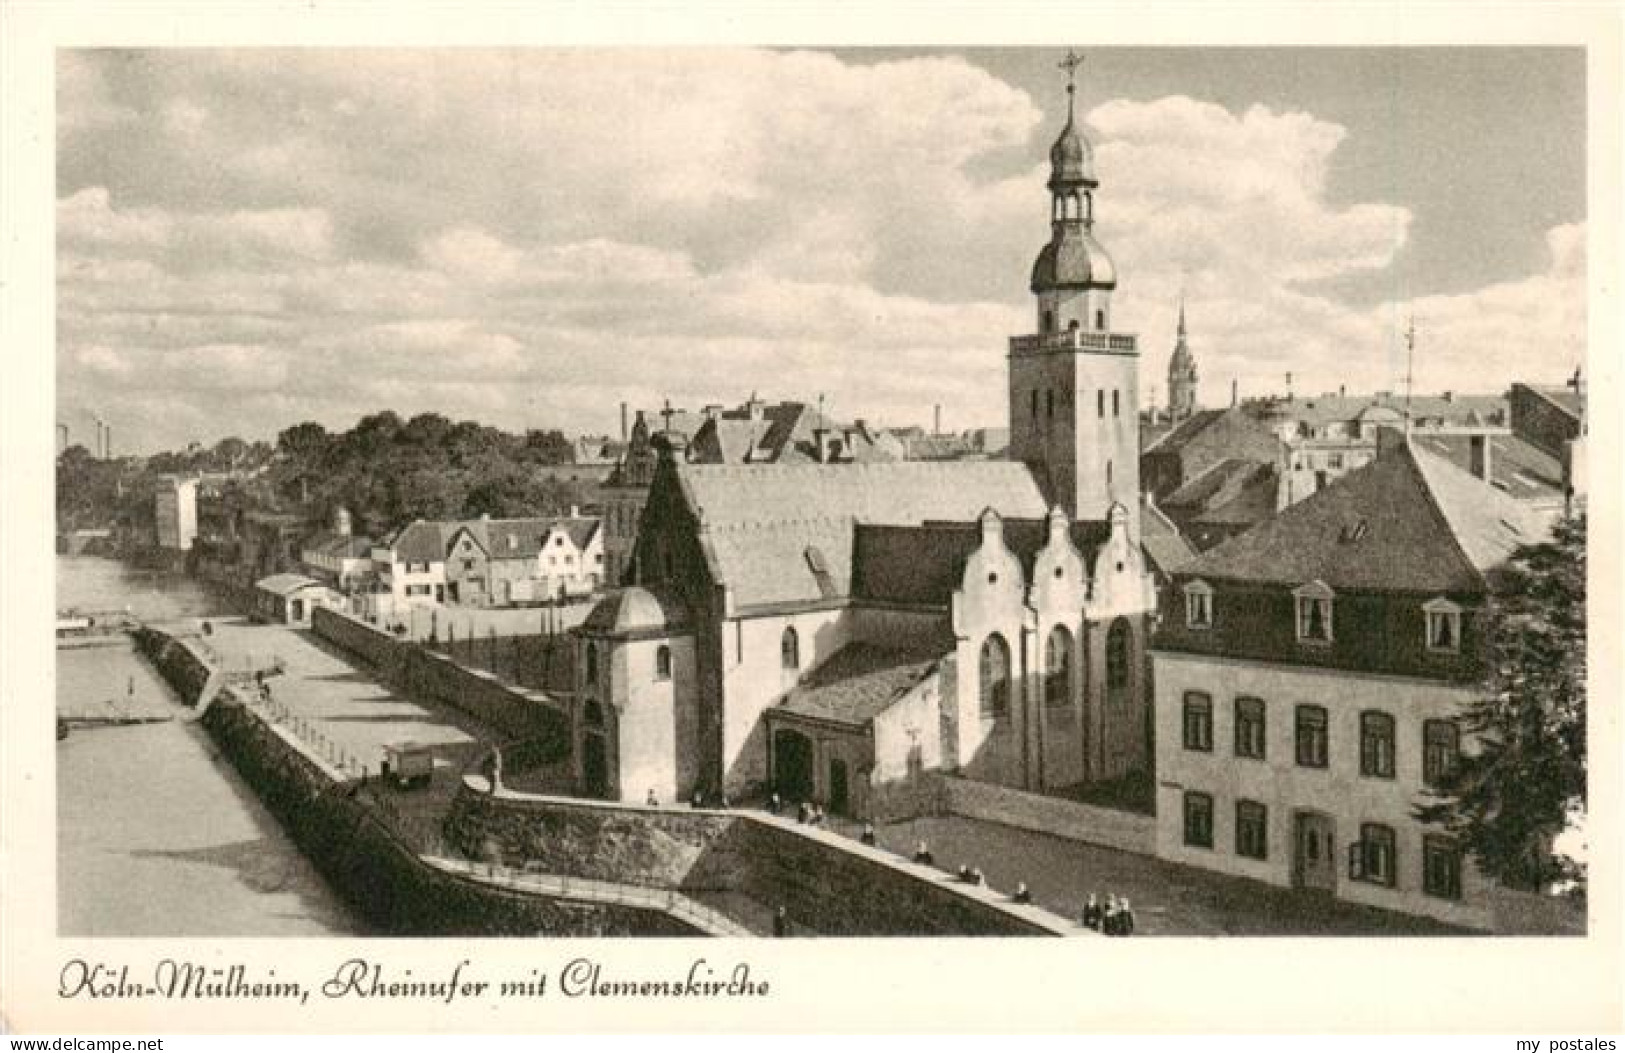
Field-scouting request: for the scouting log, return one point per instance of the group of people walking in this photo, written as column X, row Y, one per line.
column 1114, row 917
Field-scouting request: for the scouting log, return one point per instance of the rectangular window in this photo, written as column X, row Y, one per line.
column 1198, row 608
column 1444, row 631
column 1116, row 403
column 1441, row 867
column 1334, row 461
column 1198, row 721
column 1310, row 733
column 1100, row 403
column 1252, row 830
column 1372, row 858
column 1441, row 746
column 1314, row 619
column 1376, row 745
column 1250, row 728
column 1198, row 819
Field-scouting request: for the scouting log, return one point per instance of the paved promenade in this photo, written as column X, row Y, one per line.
column 1168, row 899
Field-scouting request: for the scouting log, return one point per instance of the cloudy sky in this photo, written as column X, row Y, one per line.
column 248, row 239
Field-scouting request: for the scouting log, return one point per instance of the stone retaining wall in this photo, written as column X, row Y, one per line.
column 381, row 876
column 517, row 712
column 178, row 662
column 825, row 882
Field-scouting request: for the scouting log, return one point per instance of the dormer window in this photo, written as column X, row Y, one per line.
column 1443, row 626
column 1198, row 605
column 1314, row 608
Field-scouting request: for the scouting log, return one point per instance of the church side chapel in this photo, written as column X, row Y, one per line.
column 834, row 631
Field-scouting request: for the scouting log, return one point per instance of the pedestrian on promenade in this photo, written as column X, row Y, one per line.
column 803, row 812
column 977, row 878
column 868, row 835
column 964, row 873
column 1109, row 920
column 1092, row 913
column 818, row 815
column 923, row 856
column 1125, row 919
column 696, row 801
column 652, row 801
column 775, row 804
column 781, row 922
column 1022, row 895
column 724, row 803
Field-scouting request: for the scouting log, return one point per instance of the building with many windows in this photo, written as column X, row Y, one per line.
column 1310, row 677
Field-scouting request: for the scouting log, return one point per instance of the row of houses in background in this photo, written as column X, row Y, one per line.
column 1218, row 472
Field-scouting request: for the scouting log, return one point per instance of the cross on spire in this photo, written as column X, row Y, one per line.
column 1071, row 63
column 667, row 414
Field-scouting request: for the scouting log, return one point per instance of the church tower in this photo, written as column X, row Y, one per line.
column 1181, row 375
column 1074, row 384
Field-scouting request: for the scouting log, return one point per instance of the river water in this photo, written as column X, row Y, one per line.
column 156, row 834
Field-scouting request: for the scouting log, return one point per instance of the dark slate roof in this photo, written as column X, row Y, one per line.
column 1161, row 540
column 1073, row 259
column 859, row 682
column 923, row 565
column 1406, row 522
column 419, row 542
column 1564, row 398
column 1183, row 432
column 1517, row 466
column 759, row 523
column 1233, row 491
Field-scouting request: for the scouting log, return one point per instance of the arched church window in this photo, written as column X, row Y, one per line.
column 790, row 648
column 1108, row 477
column 1058, row 667
column 1035, row 403
column 995, row 678
column 1100, row 403
column 593, row 714
column 1049, row 404
column 1049, row 321
column 1100, row 319
column 1117, row 406
column 663, row 663
column 1117, row 655
column 592, row 663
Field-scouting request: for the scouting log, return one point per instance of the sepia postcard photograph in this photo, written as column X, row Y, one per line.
column 515, row 501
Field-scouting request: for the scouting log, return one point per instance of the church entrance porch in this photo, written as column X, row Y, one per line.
column 792, row 765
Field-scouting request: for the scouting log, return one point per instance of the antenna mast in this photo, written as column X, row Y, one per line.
column 1410, row 357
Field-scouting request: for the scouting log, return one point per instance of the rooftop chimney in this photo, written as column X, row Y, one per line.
column 1479, row 456
column 1342, row 391
column 936, row 419
column 1233, row 391
column 623, row 422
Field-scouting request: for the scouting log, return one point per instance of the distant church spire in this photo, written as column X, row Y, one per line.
column 1181, row 373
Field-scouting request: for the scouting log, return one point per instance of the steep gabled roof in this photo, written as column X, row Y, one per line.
column 1406, row 522
column 1184, row 431
column 784, row 533
column 419, row 542
column 1233, row 491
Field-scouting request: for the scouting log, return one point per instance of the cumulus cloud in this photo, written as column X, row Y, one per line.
column 531, row 238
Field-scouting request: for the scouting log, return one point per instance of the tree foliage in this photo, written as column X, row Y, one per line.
column 1508, row 800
